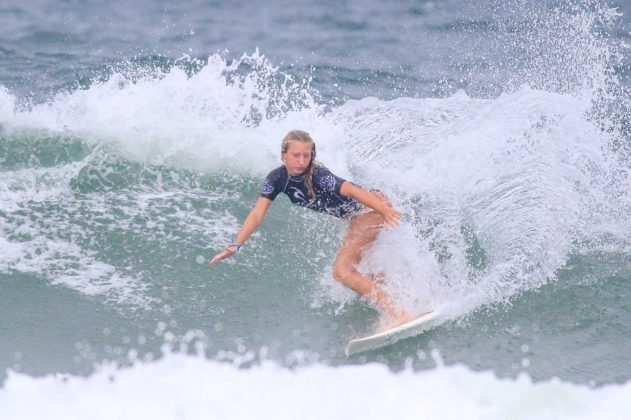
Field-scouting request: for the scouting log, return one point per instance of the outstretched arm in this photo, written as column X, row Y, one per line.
column 373, row 200
column 250, row 224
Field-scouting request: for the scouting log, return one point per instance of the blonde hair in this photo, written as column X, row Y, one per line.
column 304, row 137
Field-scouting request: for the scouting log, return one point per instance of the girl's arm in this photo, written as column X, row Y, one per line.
column 250, row 224
column 377, row 202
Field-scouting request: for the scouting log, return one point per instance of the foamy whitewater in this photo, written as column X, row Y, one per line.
column 208, row 389
column 504, row 140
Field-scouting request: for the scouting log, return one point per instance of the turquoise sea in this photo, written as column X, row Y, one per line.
column 133, row 141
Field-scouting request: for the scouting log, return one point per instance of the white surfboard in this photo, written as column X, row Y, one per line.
column 385, row 338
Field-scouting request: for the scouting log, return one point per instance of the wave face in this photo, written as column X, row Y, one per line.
column 510, row 163
column 497, row 193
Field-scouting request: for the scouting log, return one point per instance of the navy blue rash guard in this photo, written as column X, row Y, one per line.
column 326, row 186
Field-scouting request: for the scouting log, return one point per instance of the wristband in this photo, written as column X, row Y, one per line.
column 235, row 244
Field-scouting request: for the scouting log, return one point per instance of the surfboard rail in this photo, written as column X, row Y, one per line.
column 391, row 336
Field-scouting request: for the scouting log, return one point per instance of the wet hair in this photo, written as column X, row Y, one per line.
column 304, row 137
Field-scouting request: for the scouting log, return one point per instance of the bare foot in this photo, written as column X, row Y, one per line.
column 393, row 319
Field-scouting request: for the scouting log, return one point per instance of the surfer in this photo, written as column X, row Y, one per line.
column 310, row 184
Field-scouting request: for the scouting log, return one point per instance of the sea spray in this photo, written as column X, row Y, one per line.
column 267, row 390
column 114, row 191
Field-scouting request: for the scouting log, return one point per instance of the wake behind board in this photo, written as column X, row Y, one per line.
column 391, row 336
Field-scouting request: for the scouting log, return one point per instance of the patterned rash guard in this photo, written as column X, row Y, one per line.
column 326, row 186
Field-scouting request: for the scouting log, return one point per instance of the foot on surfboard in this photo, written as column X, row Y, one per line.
column 400, row 318
column 384, row 338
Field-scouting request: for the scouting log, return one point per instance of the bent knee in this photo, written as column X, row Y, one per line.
column 343, row 273
column 340, row 272
column 353, row 280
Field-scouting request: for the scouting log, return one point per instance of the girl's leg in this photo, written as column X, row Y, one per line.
column 362, row 232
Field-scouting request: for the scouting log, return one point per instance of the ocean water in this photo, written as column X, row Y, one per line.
column 133, row 142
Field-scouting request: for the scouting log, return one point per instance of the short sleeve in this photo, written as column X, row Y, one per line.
column 270, row 188
column 327, row 181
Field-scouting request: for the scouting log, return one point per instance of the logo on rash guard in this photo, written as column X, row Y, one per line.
column 328, row 183
column 298, row 195
column 267, row 188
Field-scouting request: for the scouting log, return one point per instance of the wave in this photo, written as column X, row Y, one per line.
column 501, row 191
column 497, row 193
column 147, row 390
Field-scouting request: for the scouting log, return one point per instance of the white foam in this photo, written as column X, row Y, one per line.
column 187, row 387
column 523, row 177
column 7, row 104
column 215, row 119
column 520, row 172
column 35, row 247
column 65, row 263
column 36, row 184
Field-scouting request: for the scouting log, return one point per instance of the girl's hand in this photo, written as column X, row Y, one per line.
column 391, row 217
column 375, row 200
column 228, row 251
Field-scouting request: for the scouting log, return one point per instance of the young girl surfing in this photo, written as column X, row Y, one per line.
column 309, row 184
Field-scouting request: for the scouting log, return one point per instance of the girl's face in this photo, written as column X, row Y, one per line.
column 297, row 157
